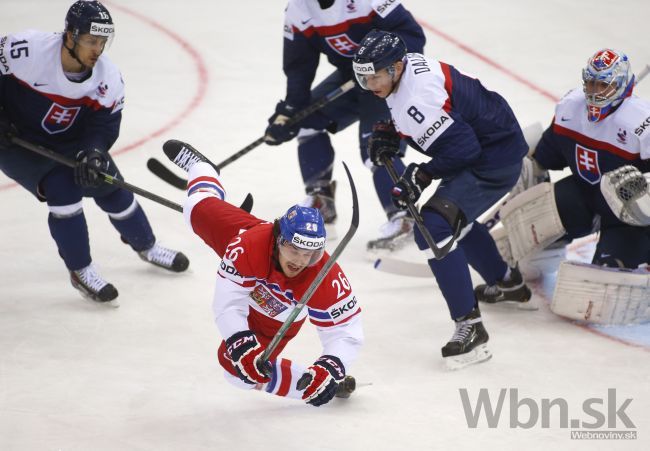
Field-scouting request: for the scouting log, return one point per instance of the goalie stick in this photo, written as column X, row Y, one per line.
column 167, row 175
column 354, row 224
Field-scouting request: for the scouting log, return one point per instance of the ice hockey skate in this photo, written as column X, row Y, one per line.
column 322, row 198
column 511, row 291
column 92, row 286
column 468, row 345
column 166, row 258
column 394, row 234
column 182, row 154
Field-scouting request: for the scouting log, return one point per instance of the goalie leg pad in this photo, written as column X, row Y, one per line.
column 601, row 295
column 502, row 241
column 532, row 221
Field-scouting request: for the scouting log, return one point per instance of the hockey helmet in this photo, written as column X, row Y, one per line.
column 606, row 81
column 302, row 229
column 90, row 17
column 378, row 50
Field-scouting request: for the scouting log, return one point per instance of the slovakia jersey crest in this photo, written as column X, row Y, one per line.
column 59, row 118
column 587, row 164
column 342, row 44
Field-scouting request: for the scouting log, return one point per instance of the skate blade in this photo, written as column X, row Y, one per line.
column 115, row 303
column 529, row 305
column 479, row 354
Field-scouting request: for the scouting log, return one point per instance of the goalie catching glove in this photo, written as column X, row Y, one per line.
column 321, row 379
column 626, row 192
column 245, row 353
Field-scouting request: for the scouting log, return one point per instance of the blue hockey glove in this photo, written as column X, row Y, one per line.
column 89, row 164
column 410, row 185
column 320, row 380
column 245, row 353
column 383, row 143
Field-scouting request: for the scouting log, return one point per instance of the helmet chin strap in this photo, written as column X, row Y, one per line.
column 73, row 54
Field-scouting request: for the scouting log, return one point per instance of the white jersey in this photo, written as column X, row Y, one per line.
column 420, row 104
column 625, row 133
column 47, row 107
column 34, row 58
column 453, row 118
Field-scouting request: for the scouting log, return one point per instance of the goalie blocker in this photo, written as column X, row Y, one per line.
column 601, row 295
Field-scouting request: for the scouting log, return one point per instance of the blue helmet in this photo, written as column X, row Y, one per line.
column 378, row 50
column 89, row 17
column 607, row 80
column 303, row 227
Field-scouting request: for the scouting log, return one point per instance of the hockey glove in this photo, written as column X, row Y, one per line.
column 89, row 164
column 279, row 132
column 245, row 353
column 320, row 380
column 410, row 185
column 383, row 143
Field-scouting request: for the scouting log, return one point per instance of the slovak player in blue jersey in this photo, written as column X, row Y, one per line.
column 60, row 91
column 334, row 28
column 475, row 146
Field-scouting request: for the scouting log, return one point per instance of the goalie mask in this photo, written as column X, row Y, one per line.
column 606, row 81
column 302, row 235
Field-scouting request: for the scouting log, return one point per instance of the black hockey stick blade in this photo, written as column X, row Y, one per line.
column 171, row 149
column 164, row 173
column 247, row 205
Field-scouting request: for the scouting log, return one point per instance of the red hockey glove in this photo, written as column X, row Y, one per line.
column 321, row 379
column 245, row 353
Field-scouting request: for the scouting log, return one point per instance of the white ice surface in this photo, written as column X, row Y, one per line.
column 78, row 376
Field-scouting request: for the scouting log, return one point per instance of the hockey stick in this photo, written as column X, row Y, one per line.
column 246, row 205
column 491, row 218
column 438, row 252
column 105, row 177
column 318, row 278
column 167, row 175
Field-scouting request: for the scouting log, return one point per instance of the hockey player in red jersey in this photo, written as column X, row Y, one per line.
column 61, row 91
column 266, row 268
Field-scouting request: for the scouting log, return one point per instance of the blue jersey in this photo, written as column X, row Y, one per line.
column 454, row 119
column 591, row 149
column 49, row 109
column 336, row 31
